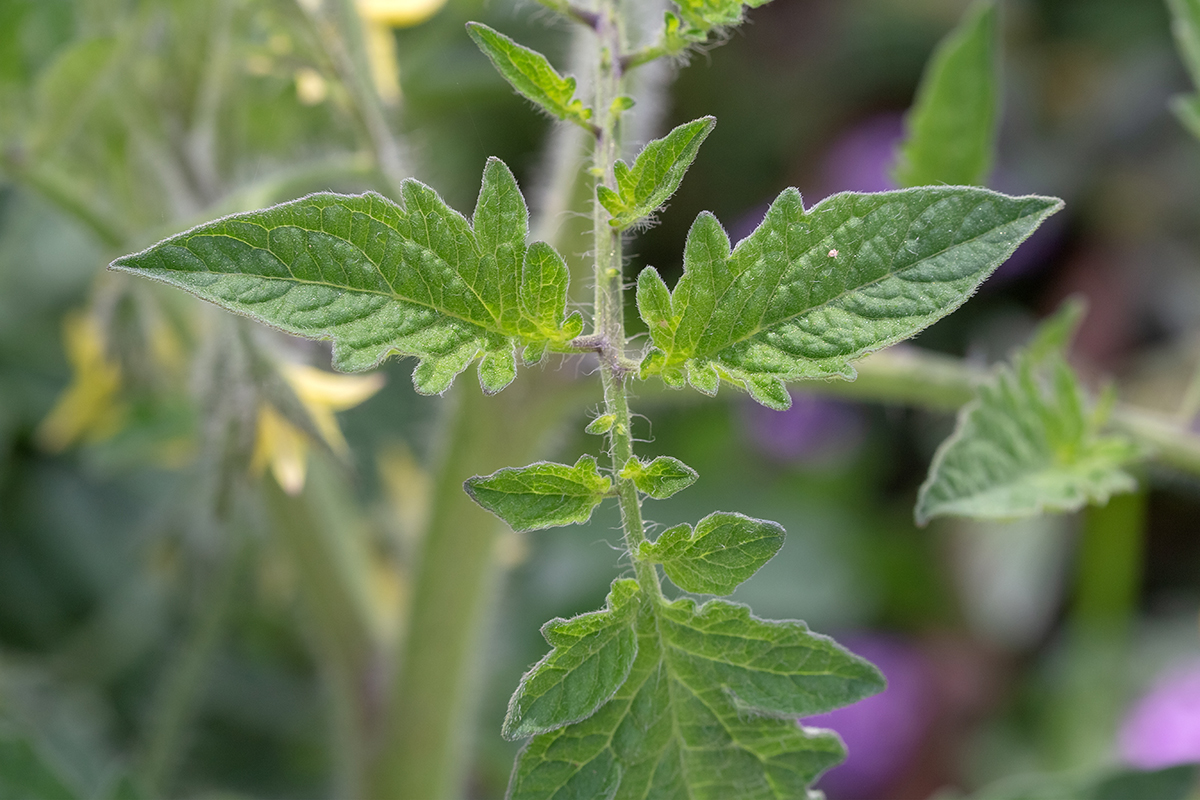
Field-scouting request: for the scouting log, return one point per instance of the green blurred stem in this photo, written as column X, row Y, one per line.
column 62, row 191
column 186, row 679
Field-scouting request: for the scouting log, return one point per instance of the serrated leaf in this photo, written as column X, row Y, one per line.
column 953, row 124
column 707, row 713
column 1027, row 444
column 530, row 73
column 810, row 291
column 656, row 174
column 592, row 656
column 724, row 550
column 542, row 495
column 661, row 478
column 378, row 278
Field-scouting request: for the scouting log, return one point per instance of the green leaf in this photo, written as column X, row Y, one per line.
column 69, row 89
column 601, row 424
column 592, row 656
column 25, row 775
column 656, row 174
column 953, row 124
column 661, row 478
column 723, row 551
column 707, row 713
column 1027, row 444
column 542, row 495
column 378, row 278
column 810, row 291
column 707, row 14
column 1185, row 24
column 531, row 75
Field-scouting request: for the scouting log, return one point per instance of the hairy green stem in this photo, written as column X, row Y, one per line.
column 609, row 314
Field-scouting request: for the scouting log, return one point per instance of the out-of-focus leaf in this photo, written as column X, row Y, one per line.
column 25, row 775
column 1172, row 783
column 953, row 124
column 809, row 291
column 1185, row 24
column 1027, row 444
column 69, row 89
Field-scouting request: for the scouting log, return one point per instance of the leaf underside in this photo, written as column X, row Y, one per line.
column 379, row 278
column 953, row 124
column 707, row 713
column 1026, row 445
column 542, row 495
column 810, row 291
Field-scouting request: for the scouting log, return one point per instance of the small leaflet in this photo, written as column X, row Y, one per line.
column 655, row 175
column 724, row 550
column 543, row 495
column 1028, row 444
column 592, row 656
column 379, row 278
column 661, row 478
column 954, row 121
column 707, row 14
column 708, row 712
column 530, row 73
column 778, row 307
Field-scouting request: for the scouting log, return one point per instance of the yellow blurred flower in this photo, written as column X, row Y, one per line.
column 398, row 13
column 89, row 409
column 282, row 446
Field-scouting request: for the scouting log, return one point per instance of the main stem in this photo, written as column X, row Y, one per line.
column 609, row 314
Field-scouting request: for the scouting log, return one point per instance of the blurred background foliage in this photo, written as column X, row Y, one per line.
column 204, row 575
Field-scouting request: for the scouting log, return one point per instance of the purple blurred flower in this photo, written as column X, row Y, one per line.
column 860, row 160
column 1163, row 728
column 882, row 733
column 814, row 430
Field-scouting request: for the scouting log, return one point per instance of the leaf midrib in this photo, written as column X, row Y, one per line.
column 760, row 329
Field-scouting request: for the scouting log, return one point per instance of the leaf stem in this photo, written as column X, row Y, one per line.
column 608, row 321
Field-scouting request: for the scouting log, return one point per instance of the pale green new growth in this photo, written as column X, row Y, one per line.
column 952, row 126
column 707, row 14
column 1185, row 25
column 810, row 291
column 656, row 174
column 542, row 495
column 1027, row 443
column 592, row 656
column 378, row 278
column 531, row 74
column 661, row 478
column 723, row 551
column 601, row 424
column 707, row 713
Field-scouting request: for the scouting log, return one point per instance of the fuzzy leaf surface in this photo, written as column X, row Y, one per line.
column 953, row 123
column 809, row 291
column 661, row 478
column 724, row 550
column 530, row 73
column 541, row 495
column 1027, row 443
column 707, row 713
column 380, row 278
column 592, row 656
column 656, row 174
column 707, row 14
